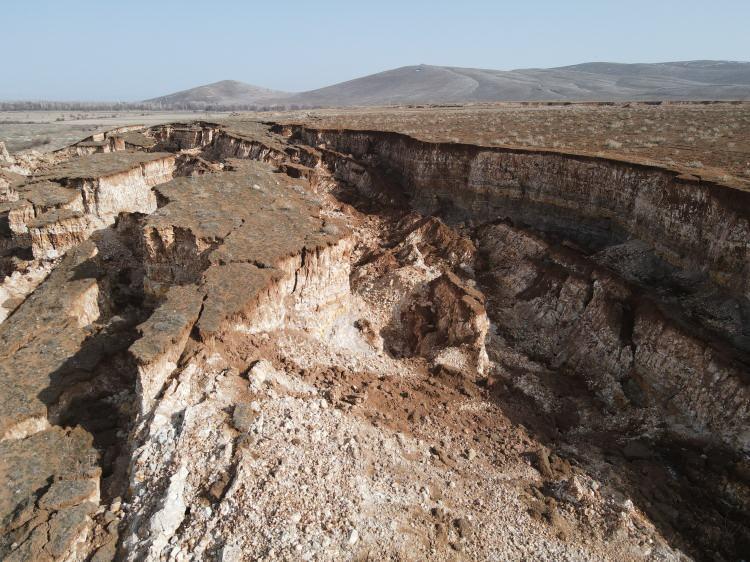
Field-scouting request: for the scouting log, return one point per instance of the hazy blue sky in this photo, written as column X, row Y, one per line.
column 132, row 49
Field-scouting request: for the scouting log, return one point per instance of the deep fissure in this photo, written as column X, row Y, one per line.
column 579, row 287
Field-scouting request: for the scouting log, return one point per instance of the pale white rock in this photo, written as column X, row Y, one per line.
column 5, row 157
column 353, row 537
column 166, row 521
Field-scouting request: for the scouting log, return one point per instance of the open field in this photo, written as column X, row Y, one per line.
column 709, row 140
column 50, row 130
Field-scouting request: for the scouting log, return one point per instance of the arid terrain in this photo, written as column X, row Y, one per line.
column 52, row 130
column 705, row 139
column 486, row 332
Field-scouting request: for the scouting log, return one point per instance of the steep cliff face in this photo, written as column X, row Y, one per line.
column 692, row 224
column 697, row 227
column 183, row 136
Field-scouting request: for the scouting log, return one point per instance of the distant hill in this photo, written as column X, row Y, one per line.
column 224, row 93
column 694, row 80
column 591, row 81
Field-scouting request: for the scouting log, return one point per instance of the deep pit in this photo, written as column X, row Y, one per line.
column 251, row 339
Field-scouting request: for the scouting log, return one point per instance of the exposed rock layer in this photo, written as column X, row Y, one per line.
column 695, row 225
column 144, row 327
column 63, row 206
column 581, row 319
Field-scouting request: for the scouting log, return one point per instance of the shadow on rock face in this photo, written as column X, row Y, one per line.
column 607, row 414
column 95, row 387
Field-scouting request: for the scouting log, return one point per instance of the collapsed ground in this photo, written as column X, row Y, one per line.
column 252, row 341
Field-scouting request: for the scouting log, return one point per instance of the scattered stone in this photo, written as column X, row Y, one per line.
column 66, row 493
column 66, row 527
column 244, row 416
column 218, row 488
column 541, row 463
column 463, row 526
column 106, row 553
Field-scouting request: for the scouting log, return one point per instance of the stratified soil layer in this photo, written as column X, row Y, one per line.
column 300, row 339
column 710, row 140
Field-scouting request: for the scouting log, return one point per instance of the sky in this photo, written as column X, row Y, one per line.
column 132, row 50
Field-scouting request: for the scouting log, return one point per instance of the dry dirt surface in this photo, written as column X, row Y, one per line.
column 52, row 130
column 309, row 337
column 706, row 139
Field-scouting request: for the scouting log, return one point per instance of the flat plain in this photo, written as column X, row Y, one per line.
column 51, row 130
column 711, row 140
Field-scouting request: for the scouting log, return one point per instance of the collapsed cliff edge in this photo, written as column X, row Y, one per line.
column 245, row 340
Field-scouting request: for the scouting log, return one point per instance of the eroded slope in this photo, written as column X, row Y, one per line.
column 270, row 342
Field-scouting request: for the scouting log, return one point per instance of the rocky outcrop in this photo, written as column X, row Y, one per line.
column 448, row 325
column 182, row 136
column 51, row 483
column 5, row 157
column 45, row 332
column 53, row 232
column 60, row 208
column 291, row 263
column 162, row 340
column 461, row 324
column 54, row 341
column 278, row 252
column 117, row 182
column 19, row 284
column 50, row 489
column 130, row 137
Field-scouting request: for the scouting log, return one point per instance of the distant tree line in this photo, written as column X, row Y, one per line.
column 142, row 106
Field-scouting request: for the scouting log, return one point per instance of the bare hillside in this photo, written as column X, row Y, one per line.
column 594, row 81
column 226, row 92
column 585, row 82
